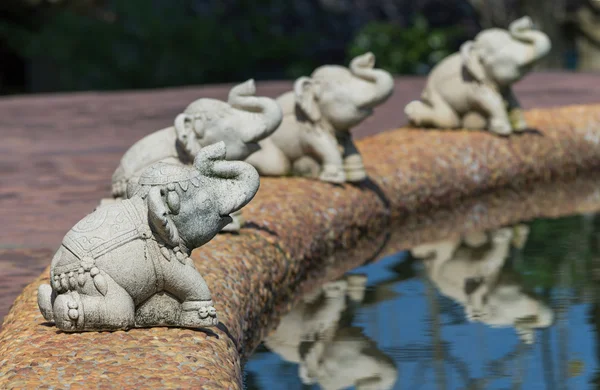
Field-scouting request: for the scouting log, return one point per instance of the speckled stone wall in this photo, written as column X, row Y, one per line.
column 301, row 233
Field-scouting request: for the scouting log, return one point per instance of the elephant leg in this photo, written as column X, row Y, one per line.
column 269, row 160
column 474, row 120
column 183, row 281
column 236, row 224
column 434, row 112
column 357, row 284
column 325, row 148
column 46, row 298
column 492, row 103
column 515, row 113
column 306, row 166
column 475, row 239
column 79, row 312
column 353, row 162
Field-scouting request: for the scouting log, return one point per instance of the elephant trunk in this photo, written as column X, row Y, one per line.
column 235, row 182
column 265, row 113
column 383, row 82
column 523, row 30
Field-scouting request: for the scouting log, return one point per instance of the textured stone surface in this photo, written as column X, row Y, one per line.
column 58, row 153
column 320, row 231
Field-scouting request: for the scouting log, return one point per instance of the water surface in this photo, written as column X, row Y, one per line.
column 512, row 308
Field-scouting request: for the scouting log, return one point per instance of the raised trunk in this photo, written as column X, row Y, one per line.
column 264, row 113
column 240, row 186
column 383, row 82
column 235, row 182
column 541, row 45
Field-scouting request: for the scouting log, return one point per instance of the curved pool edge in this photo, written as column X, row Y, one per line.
column 301, row 233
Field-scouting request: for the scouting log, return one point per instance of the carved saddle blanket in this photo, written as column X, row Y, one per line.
column 107, row 228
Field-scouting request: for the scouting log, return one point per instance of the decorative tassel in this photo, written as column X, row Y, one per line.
column 101, row 284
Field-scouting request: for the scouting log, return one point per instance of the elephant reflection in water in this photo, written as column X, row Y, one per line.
column 318, row 335
column 470, row 270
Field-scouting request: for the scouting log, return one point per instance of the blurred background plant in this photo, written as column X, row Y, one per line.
column 414, row 49
column 63, row 45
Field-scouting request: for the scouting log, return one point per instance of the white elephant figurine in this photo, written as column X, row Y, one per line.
column 330, row 351
column 314, row 137
column 127, row 264
column 241, row 122
column 473, row 88
column 470, row 270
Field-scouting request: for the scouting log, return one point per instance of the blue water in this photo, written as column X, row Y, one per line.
column 423, row 336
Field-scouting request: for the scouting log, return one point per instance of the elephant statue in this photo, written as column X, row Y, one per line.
column 127, row 263
column 473, row 88
column 318, row 335
column 314, row 137
column 240, row 123
column 471, row 271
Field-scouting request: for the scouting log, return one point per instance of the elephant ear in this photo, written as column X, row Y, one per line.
column 189, row 130
column 472, row 60
column 306, row 91
column 160, row 219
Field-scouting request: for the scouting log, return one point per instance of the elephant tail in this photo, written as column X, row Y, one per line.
column 119, row 189
column 119, row 183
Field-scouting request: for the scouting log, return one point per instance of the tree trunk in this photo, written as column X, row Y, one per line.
column 587, row 37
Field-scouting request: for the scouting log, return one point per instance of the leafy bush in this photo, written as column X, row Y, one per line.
column 136, row 44
column 140, row 44
column 412, row 50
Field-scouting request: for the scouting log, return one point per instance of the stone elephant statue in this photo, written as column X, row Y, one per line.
column 127, row 264
column 318, row 335
column 473, row 88
column 470, row 270
column 240, row 122
column 314, row 137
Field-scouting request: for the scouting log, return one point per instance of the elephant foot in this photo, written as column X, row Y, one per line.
column 413, row 111
column 474, row 121
column 520, row 234
column 46, row 297
column 335, row 289
column 500, row 127
column 357, row 284
column 68, row 312
column 354, row 169
column 237, row 221
column 306, row 166
column 517, row 120
column 526, row 335
column 475, row 239
column 333, row 174
column 502, row 236
column 198, row 314
column 75, row 311
column 473, row 315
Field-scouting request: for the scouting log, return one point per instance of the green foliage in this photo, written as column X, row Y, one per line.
column 153, row 44
column 556, row 247
column 412, row 50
